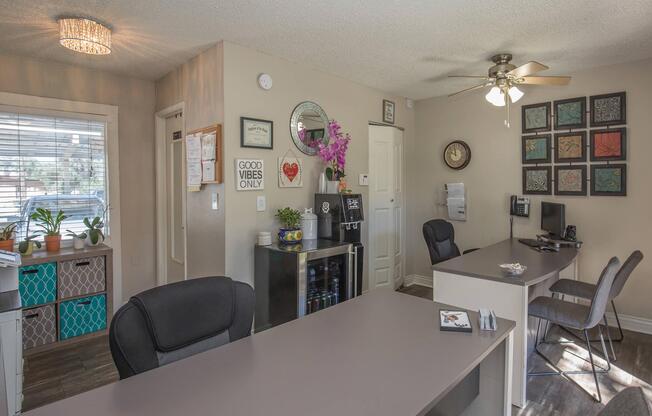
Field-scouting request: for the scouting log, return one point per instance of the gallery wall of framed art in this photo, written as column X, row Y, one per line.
column 570, row 150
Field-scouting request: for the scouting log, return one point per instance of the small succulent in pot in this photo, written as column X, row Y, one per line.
column 290, row 232
column 51, row 227
column 7, row 236
column 94, row 231
column 26, row 247
column 77, row 239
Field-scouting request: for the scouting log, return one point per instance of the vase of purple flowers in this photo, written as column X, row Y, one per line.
column 334, row 156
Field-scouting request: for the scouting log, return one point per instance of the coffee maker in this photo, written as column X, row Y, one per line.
column 340, row 218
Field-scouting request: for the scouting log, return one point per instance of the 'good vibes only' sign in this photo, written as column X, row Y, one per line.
column 249, row 174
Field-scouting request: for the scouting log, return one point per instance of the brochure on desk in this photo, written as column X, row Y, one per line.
column 454, row 320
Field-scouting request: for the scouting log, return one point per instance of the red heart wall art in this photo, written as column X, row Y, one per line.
column 290, row 170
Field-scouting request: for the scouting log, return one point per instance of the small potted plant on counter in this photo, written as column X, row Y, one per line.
column 7, row 235
column 26, row 247
column 78, row 239
column 94, row 231
column 290, row 232
column 51, row 225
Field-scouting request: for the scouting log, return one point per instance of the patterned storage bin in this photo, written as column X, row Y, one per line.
column 37, row 284
column 39, row 326
column 81, row 277
column 82, row 316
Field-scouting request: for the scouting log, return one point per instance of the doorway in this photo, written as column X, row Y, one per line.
column 386, row 207
column 171, row 195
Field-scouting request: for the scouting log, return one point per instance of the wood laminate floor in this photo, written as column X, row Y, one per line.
column 556, row 396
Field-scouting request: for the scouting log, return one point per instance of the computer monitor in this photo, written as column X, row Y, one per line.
column 553, row 219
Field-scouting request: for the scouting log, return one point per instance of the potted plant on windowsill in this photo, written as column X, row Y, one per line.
column 51, row 226
column 94, row 234
column 7, row 236
column 26, row 247
column 290, row 232
column 78, row 239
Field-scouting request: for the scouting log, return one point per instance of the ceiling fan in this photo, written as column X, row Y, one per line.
column 504, row 77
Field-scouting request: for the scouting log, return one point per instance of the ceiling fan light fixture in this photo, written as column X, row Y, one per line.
column 84, row 36
column 495, row 96
column 515, row 94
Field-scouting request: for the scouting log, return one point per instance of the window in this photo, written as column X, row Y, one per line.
column 52, row 162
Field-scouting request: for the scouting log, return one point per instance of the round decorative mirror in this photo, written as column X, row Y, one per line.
column 309, row 127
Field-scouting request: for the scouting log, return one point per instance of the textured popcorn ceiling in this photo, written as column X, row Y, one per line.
column 405, row 47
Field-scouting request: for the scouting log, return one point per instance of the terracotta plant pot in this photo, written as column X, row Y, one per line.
column 7, row 245
column 52, row 243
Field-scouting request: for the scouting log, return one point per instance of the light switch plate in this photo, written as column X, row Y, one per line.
column 214, row 201
column 364, row 179
column 260, row 203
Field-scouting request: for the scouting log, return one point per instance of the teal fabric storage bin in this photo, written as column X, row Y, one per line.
column 82, row 316
column 37, row 284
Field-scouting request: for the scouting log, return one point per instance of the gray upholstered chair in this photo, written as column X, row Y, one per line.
column 440, row 239
column 629, row 402
column 171, row 322
column 578, row 317
column 584, row 290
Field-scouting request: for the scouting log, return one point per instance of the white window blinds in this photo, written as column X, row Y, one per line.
column 55, row 163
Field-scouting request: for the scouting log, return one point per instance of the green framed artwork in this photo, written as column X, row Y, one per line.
column 535, row 118
column 608, row 109
column 570, row 147
column 570, row 180
column 570, row 113
column 537, row 180
column 609, row 180
column 536, row 149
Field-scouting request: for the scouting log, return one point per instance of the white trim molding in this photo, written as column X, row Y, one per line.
column 416, row 279
column 631, row 323
column 106, row 112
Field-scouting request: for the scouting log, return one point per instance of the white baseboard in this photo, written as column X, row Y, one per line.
column 632, row 323
column 415, row 279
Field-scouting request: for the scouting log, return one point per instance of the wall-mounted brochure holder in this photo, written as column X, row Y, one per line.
column 203, row 157
column 456, row 201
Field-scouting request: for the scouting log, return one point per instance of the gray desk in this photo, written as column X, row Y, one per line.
column 379, row 354
column 474, row 280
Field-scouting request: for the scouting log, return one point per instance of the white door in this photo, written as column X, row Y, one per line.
column 386, row 207
column 175, row 198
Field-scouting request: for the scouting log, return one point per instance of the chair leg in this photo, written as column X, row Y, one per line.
column 620, row 328
column 595, row 375
column 611, row 344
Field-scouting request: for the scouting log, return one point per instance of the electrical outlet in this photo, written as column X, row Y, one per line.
column 363, row 180
column 260, row 203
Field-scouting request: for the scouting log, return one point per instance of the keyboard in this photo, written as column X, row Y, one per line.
column 531, row 242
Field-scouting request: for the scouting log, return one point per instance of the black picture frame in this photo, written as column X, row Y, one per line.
column 269, row 146
column 559, row 159
column 623, row 145
column 524, row 110
column 548, row 170
column 623, row 179
column 622, row 119
column 386, row 118
column 582, row 169
column 548, row 157
column 581, row 124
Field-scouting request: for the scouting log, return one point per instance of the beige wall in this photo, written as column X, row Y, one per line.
column 135, row 101
column 351, row 104
column 608, row 225
column 199, row 84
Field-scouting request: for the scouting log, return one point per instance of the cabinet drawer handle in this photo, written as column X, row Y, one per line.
column 32, row 316
column 84, row 303
column 83, row 263
column 33, row 271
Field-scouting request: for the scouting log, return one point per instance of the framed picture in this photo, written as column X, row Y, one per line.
column 456, row 321
column 535, row 117
column 570, row 147
column 537, row 180
column 570, row 180
column 570, row 114
column 388, row 111
column 609, row 180
column 608, row 144
column 536, row 149
column 608, row 109
column 290, row 172
column 256, row 133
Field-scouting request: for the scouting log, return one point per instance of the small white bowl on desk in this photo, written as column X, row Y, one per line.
column 513, row 269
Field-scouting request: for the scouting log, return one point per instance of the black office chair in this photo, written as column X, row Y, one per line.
column 585, row 290
column 440, row 239
column 578, row 317
column 171, row 322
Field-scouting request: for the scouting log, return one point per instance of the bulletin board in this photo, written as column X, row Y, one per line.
column 204, row 156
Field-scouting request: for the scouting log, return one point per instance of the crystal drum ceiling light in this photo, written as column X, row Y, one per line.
column 85, row 36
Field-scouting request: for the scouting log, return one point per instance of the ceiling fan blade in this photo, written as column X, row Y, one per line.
column 529, row 68
column 477, row 87
column 545, row 80
column 469, row 76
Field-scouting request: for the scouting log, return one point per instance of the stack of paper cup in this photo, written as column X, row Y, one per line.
column 264, row 238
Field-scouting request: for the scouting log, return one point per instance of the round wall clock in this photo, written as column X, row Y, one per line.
column 457, row 154
column 265, row 81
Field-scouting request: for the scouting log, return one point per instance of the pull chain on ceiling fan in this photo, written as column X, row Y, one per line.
column 504, row 77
